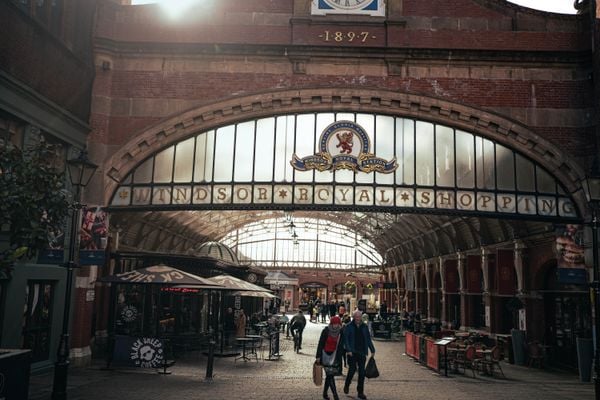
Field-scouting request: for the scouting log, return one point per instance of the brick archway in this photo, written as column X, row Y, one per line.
column 492, row 126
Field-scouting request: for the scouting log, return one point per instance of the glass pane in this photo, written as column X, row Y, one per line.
column 424, row 147
column 384, row 145
column 465, row 150
column 323, row 121
column 367, row 121
column 344, row 117
column 405, row 151
column 163, row 165
column 284, row 147
column 200, row 157
column 525, row 174
column 204, row 157
column 444, row 158
column 263, row 159
column 305, row 143
column 224, row 153
column 505, row 166
column 184, row 154
column 485, row 163
column 244, row 151
column 143, row 173
column 545, row 182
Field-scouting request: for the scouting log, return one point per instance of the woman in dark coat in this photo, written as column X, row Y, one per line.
column 329, row 354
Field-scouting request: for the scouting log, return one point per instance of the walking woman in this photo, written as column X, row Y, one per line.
column 329, row 353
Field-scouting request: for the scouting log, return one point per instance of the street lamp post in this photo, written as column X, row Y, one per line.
column 80, row 171
column 592, row 192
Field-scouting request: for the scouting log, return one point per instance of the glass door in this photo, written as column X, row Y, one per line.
column 37, row 319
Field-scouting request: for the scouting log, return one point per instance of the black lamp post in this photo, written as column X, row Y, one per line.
column 81, row 170
column 592, row 192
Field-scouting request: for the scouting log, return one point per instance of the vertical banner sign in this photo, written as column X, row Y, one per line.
column 570, row 255
column 93, row 236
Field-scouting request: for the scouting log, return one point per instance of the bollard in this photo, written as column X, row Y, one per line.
column 211, row 358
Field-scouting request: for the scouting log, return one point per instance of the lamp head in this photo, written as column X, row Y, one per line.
column 81, row 169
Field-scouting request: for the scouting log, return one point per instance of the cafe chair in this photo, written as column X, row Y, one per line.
column 467, row 360
column 535, row 354
column 488, row 364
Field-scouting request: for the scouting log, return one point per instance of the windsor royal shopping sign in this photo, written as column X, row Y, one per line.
column 343, row 145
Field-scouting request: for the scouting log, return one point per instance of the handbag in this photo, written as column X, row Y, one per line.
column 333, row 370
column 329, row 362
column 317, row 374
column 371, row 370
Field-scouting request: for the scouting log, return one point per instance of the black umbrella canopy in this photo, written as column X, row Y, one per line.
column 162, row 275
column 233, row 283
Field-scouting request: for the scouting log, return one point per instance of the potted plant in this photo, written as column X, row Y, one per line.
column 34, row 201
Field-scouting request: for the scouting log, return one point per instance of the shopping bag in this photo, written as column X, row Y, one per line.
column 317, row 374
column 371, row 370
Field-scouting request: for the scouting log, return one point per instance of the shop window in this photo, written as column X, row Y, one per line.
column 129, row 310
column 37, row 319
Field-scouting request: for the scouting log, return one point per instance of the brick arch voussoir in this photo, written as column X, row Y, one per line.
column 481, row 122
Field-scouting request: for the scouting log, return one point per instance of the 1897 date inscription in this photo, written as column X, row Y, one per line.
column 348, row 37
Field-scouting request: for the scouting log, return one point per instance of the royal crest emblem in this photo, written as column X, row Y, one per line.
column 344, row 145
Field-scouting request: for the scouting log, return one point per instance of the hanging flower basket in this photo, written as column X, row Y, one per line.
column 350, row 285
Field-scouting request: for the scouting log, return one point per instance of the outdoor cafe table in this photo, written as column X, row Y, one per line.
column 260, row 327
column 243, row 341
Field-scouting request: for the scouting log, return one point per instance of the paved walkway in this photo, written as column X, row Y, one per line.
column 290, row 378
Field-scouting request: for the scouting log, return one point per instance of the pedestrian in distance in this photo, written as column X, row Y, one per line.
column 329, row 354
column 240, row 324
column 297, row 325
column 228, row 325
column 357, row 342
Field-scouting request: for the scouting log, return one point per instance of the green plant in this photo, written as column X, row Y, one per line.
column 350, row 284
column 34, row 201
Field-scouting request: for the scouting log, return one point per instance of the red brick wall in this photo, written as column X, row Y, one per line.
column 499, row 58
column 58, row 68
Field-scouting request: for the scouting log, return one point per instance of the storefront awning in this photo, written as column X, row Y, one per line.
column 280, row 278
column 245, row 293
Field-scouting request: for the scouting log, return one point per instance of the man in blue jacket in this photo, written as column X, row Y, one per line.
column 357, row 341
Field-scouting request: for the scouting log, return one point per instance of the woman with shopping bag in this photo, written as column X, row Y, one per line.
column 329, row 354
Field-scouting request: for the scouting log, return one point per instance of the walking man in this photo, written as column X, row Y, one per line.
column 358, row 343
column 297, row 325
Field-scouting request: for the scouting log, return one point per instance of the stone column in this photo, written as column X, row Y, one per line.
column 487, row 297
column 462, row 287
column 444, row 313
column 518, row 252
column 399, row 304
column 416, row 271
column 428, row 289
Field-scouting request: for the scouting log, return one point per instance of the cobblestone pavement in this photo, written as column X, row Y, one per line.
column 290, row 378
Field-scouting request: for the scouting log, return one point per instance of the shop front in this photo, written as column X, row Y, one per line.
column 311, row 292
column 283, row 285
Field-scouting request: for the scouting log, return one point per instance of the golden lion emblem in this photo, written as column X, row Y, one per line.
column 345, row 141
